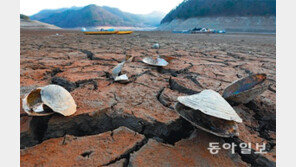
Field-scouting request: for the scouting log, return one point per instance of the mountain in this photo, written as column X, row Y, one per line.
column 204, row 8
column 152, row 18
column 47, row 12
column 26, row 23
column 229, row 15
column 93, row 15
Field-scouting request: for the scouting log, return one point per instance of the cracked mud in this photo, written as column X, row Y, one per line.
column 134, row 124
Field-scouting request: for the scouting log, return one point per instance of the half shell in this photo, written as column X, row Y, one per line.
column 216, row 126
column 49, row 99
column 155, row 62
column 246, row 89
column 210, row 103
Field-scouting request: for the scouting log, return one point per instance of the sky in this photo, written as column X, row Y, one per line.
column 30, row 7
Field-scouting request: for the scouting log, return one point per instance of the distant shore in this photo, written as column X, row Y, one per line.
column 252, row 24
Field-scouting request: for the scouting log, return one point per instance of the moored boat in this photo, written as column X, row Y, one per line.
column 99, row 32
column 124, row 32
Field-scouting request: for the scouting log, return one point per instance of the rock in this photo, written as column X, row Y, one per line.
column 97, row 150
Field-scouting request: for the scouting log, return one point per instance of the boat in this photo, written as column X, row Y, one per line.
column 100, row 32
column 124, row 32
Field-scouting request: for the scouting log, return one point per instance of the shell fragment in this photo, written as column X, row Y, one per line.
column 122, row 78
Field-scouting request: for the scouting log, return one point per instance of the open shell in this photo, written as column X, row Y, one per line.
column 246, row 89
column 216, row 126
column 155, row 62
column 210, row 103
column 48, row 100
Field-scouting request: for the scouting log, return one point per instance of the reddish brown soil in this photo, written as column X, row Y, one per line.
column 82, row 64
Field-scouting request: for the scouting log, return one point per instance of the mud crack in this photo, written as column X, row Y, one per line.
column 126, row 155
column 253, row 159
column 70, row 86
column 175, row 86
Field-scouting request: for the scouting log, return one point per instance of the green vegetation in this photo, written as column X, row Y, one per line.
column 24, row 17
column 194, row 8
column 92, row 15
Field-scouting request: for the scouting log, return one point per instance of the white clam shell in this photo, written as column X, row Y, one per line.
column 155, row 62
column 58, row 99
column 55, row 97
column 211, row 103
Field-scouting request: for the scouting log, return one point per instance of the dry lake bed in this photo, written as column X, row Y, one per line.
column 135, row 123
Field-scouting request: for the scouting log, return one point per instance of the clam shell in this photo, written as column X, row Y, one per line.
column 122, row 78
column 117, row 69
column 155, row 62
column 246, row 89
column 211, row 103
column 216, row 126
column 156, row 46
column 49, row 99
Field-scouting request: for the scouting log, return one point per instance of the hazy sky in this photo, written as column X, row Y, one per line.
column 30, row 7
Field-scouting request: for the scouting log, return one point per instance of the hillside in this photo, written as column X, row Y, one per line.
column 47, row 12
column 93, row 15
column 205, row 8
column 26, row 23
column 22, row 16
column 229, row 15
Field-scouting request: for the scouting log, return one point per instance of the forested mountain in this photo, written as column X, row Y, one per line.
column 22, row 16
column 195, row 8
column 93, row 15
